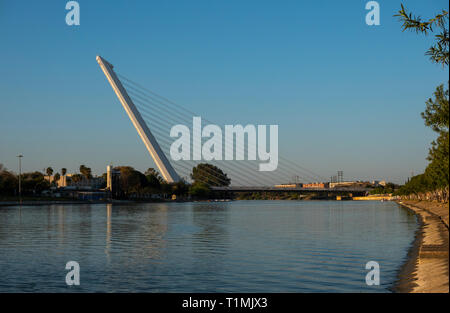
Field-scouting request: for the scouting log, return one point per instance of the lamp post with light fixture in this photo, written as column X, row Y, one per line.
column 20, row 156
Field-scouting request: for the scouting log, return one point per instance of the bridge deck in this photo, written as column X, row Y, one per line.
column 275, row 189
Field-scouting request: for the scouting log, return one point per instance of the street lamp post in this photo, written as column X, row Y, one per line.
column 20, row 177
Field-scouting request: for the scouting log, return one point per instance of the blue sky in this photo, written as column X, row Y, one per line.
column 345, row 95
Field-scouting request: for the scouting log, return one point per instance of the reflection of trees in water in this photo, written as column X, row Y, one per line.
column 212, row 239
column 154, row 232
column 61, row 227
column 56, row 227
column 84, row 236
column 61, row 217
column 108, row 230
column 135, row 233
column 5, row 224
column 71, row 226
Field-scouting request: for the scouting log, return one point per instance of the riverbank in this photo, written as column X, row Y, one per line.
column 47, row 202
column 69, row 201
column 427, row 270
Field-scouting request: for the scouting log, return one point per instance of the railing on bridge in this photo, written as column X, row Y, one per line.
column 278, row 189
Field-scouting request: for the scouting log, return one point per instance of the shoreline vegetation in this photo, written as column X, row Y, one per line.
column 426, row 269
column 14, row 201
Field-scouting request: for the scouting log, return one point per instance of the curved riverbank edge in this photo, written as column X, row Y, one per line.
column 426, row 270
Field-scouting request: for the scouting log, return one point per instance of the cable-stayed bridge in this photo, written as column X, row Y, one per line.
column 153, row 117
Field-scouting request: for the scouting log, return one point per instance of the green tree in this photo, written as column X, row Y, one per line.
column 85, row 171
column 210, row 175
column 153, row 178
column 438, row 169
column 49, row 171
column 34, row 183
column 131, row 180
column 76, row 178
column 8, row 182
column 389, row 188
column 166, row 188
column 104, row 177
column 439, row 51
column 200, row 190
column 180, row 188
column 56, row 178
column 436, row 114
column 153, row 172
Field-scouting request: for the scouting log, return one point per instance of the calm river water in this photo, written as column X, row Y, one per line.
column 239, row 246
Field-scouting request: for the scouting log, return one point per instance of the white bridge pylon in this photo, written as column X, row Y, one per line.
column 160, row 159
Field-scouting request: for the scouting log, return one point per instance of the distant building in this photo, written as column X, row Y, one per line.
column 316, row 185
column 348, row 184
column 113, row 181
column 289, row 186
column 67, row 181
column 51, row 179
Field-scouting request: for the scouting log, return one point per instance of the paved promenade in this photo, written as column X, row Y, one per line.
column 427, row 269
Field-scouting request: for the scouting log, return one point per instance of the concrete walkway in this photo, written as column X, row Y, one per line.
column 429, row 268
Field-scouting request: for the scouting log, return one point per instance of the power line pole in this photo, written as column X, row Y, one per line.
column 20, row 156
column 340, row 176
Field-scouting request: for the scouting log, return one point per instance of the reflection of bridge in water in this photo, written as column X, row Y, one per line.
column 161, row 114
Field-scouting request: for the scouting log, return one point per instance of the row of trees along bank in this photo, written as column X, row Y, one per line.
column 433, row 184
column 204, row 176
column 133, row 183
column 33, row 183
